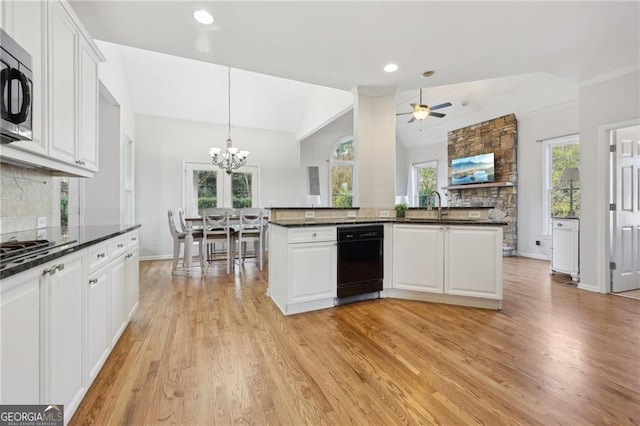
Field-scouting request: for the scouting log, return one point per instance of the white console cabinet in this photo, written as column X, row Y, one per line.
column 565, row 246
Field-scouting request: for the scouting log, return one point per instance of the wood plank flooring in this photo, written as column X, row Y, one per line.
column 217, row 351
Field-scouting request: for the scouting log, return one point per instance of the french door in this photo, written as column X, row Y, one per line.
column 207, row 186
column 625, row 220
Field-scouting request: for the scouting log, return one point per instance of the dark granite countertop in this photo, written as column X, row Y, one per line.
column 365, row 221
column 76, row 238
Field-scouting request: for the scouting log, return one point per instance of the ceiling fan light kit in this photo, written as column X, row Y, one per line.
column 421, row 111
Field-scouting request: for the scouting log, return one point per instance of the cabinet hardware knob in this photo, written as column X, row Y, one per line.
column 61, row 267
column 560, row 225
column 314, row 235
column 100, row 255
column 93, row 281
column 120, row 245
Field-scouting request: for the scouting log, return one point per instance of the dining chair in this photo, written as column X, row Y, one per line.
column 179, row 237
column 250, row 229
column 217, row 229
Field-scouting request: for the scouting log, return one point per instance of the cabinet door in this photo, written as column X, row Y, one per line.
column 98, row 342
column 132, row 290
column 24, row 21
column 474, row 261
column 88, row 109
column 20, row 338
column 62, row 85
column 313, row 271
column 118, row 314
column 418, row 252
column 64, row 337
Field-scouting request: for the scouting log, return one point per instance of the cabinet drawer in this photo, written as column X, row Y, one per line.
column 98, row 256
column 117, row 246
column 311, row 234
column 131, row 239
column 565, row 224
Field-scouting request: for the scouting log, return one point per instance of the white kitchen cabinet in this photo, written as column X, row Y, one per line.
column 87, row 107
column 97, row 338
column 473, row 261
column 313, row 271
column 64, row 331
column 25, row 22
column 63, row 45
column 302, row 268
column 418, row 254
column 132, row 272
column 117, row 309
column 565, row 246
column 20, row 321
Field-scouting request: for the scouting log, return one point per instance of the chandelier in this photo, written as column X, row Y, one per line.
column 232, row 158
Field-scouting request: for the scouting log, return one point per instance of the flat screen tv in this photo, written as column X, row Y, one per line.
column 474, row 169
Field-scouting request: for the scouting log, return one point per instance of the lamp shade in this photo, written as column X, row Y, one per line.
column 570, row 174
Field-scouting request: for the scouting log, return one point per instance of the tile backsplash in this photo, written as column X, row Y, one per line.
column 25, row 195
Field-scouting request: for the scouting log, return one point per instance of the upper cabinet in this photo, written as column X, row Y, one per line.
column 65, row 110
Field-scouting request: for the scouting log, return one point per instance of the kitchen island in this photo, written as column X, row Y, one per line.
column 446, row 261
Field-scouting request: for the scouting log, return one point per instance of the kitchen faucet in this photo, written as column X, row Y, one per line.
column 439, row 203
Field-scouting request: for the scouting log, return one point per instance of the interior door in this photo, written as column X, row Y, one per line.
column 625, row 220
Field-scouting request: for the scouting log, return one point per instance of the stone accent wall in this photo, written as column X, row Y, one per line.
column 499, row 136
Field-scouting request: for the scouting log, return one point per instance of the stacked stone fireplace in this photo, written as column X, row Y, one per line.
column 499, row 136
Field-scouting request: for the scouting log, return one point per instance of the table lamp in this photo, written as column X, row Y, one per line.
column 570, row 174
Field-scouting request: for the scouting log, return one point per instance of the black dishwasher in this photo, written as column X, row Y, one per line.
column 360, row 259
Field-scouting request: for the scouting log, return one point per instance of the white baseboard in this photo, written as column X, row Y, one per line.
column 158, row 257
column 538, row 256
column 588, row 287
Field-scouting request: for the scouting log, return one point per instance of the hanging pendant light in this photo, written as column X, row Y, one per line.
column 231, row 159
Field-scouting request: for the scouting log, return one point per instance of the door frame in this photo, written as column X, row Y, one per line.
column 603, row 217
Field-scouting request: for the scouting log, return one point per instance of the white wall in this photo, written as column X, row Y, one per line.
column 162, row 145
column 113, row 75
column 603, row 103
column 532, row 129
column 430, row 152
column 315, row 151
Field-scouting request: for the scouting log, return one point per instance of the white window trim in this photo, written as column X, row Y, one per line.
column 547, row 145
column 353, row 164
column 413, row 183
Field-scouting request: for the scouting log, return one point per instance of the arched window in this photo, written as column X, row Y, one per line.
column 342, row 172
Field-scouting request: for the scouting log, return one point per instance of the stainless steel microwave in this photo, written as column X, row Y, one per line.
column 16, row 86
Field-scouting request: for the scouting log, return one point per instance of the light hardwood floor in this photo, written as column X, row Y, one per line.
column 218, row 351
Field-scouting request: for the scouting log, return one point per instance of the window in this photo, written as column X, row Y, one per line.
column 559, row 154
column 342, row 166
column 207, row 186
column 424, row 180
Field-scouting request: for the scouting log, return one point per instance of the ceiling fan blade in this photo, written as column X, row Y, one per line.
column 412, row 120
column 444, row 105
column 404, row 113
column 436, row 114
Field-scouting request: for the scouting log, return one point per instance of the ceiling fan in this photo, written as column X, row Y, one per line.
column 421, row 111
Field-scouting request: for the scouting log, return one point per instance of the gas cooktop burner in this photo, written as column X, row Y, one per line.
column 13, row 252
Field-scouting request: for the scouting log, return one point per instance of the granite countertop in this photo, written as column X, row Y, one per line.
column 366, row 221
column 76, row 238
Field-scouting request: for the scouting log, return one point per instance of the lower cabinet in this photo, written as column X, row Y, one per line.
column 64, row 331
column 473, row 261
column 117, row 306
column 20, row 330
column 418, row 258
column 453, row 260
column 98, row 341
column 302, row 268
column 59, row 323
column 132, row 273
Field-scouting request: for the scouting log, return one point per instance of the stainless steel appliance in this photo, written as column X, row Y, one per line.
column 360, row 260
column 16, row 252
column 16, row 86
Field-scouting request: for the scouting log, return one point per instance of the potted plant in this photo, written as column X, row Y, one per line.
column 401, row 209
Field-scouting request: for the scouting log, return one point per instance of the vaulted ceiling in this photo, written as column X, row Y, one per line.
column 540, row 47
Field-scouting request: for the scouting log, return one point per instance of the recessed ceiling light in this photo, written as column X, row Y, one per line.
column 203, row 17
column 428, row 74
column 391, row 67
